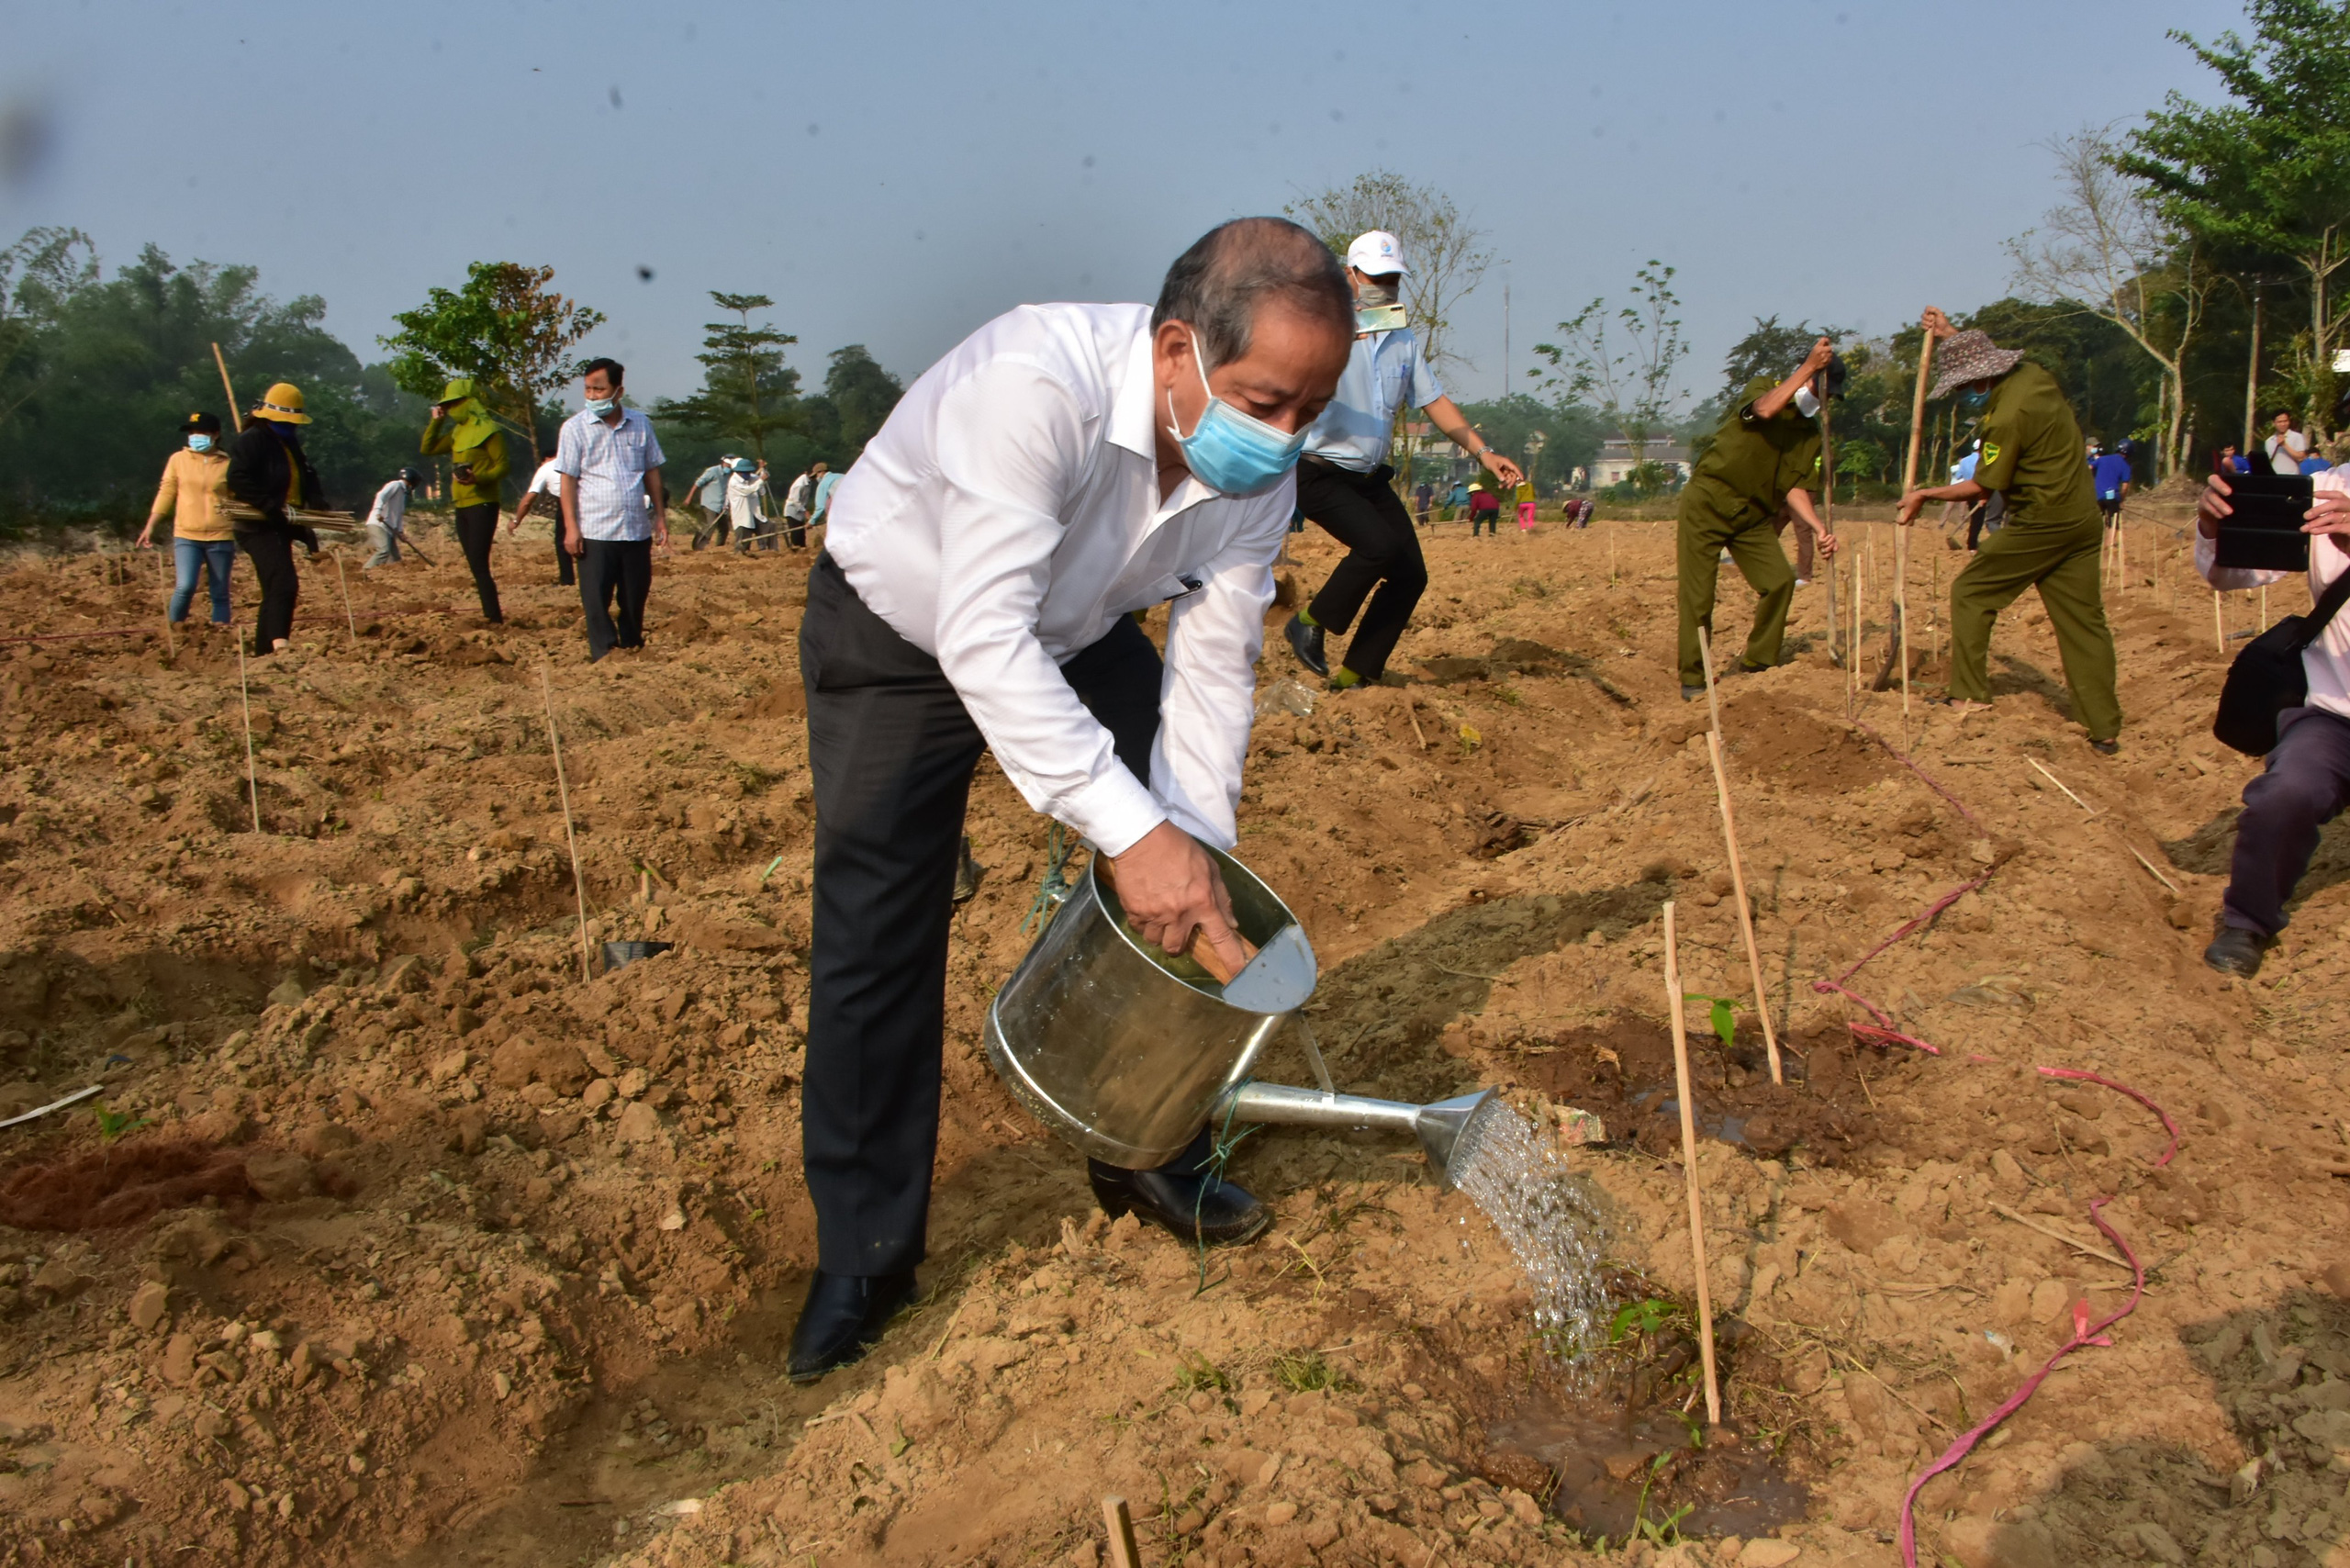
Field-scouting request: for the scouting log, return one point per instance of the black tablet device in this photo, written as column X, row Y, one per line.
column 2264, row 533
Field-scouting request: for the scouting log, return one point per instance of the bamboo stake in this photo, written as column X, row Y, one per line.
column 236, row 418
column 1123, row 1552
column 2219, row 626
column 245, row 695
column 1738, row 864
column 570, row 834
column 1908, row 483
column 1828, row 520
column 349, row 617
column 1689, row 1167
column 162, row 580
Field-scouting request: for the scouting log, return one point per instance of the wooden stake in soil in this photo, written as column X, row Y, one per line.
column 162, row 580
column 2218, row 625
column 245, row 695
column 1737, row 862
column 1828, row 521
column 1908, row 483
column 1123, row 1552
column 1689, row 1167
column 352, row 620
column 235, row 417
column 571, row 835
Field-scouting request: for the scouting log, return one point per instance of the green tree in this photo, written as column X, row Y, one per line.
column 2107, row 249
column 96, row 372
column 1627, row 376
column 1571, row 434
column 1769, row 349
column 861, row 394
column 747, row 392
column 505, row 330
column 2267, row 173
column 1444, row 254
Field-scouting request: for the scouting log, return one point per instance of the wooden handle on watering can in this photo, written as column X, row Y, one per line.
column 1200, row 953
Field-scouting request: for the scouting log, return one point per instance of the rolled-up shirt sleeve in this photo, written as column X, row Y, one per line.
column 999, row 526
column 1207, row 695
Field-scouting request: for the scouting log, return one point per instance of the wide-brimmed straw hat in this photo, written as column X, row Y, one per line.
column 282, row 403
column 1970, row 357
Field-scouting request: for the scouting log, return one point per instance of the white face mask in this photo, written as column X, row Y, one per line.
column 1805, row 404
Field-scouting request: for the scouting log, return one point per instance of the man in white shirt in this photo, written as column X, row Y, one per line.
column 2306, row 782
column 1063, row 468
column 387, row 518
column 543, row 499
column 799, row 505
column 2288, row 446
column 1345, row 485
column 746, row 490
column 613, row 507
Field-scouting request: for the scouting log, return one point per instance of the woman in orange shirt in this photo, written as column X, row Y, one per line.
column 193, row 497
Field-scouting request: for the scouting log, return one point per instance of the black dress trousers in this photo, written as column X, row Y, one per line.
column 892, row 750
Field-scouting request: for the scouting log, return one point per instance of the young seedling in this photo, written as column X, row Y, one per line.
column 112, row 1125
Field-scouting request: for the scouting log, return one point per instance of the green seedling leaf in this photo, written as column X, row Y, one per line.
column 1721, row 1015
column 112, row 1125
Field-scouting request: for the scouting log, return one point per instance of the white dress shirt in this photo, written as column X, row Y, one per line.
column 2286, row 451
column 2326, row 662
column 1384, row 370
column 1009, row 512
column 611, row 463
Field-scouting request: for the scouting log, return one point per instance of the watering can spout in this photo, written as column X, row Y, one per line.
column 1439, row 1126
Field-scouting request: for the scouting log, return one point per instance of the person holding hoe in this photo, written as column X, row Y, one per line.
column 2053, row 537
column 1062, row 468
column 1345, row 485
column 1764, row 462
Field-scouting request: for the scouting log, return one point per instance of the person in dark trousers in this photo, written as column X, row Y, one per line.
column 1422, row 499
column 463, row 429
column 1063, row 468
column 2306, row 781
column 270, row 479
column 613, row 507
column 1485, row 510
column 1345, row 485
column 2050, row 538
column 1765, row 461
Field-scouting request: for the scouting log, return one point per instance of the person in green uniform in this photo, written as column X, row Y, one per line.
column 2032, row 451
column 1764, row 460
column 462, row 427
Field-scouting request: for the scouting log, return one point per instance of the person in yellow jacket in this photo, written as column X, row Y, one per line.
column 461, row 428
column 195, row 496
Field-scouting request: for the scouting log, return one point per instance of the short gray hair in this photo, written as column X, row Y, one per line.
column 1235, row 269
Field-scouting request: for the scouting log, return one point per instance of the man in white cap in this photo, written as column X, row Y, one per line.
column 1345, row 485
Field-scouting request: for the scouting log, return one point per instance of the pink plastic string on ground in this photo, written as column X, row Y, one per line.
column 2084, row 1331
column 1921, row 773
column 1883, row 1033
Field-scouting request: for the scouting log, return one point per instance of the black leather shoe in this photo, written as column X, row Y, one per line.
column 1181, row 1197
column 2235, row 951
column 1306, row 642
column 844, row 1315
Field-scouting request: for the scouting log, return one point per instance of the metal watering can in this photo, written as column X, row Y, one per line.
column 1127, row 1053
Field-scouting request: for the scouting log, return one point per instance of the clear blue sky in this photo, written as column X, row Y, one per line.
column 894, row 174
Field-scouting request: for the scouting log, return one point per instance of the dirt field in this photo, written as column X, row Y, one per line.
column 397, row 1243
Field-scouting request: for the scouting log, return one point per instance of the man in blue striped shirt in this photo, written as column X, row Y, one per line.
column 613, row 507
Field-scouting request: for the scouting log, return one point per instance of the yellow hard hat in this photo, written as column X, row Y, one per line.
column 283, row 403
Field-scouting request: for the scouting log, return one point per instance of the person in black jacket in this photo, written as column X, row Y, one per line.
column 269, row 474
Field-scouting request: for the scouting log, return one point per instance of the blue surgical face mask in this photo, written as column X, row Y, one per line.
column 602, row 406
column 1974, row 399
column 1228, row 451
column 199, row 443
